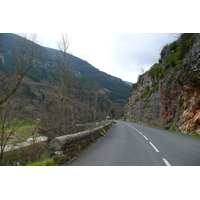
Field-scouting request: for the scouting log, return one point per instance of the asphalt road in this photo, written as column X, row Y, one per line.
column 130, row 144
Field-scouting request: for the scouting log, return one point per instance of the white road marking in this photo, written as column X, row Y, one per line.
column 136, row 130
column 154, row 147
column 166, row 162
column 164, row 159
column 133, row 128
column 145, row 137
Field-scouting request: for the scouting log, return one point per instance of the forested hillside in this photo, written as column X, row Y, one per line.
column 110, row 89
column 51, row 92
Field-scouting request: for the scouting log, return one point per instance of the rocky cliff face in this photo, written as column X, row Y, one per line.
column 169, row 93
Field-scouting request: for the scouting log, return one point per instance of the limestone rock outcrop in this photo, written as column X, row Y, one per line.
column 169, row 93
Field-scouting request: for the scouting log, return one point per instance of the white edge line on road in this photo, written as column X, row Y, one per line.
column 134, row 128
column 145, row 137
column 131, row 126
column 154, row 147
column 166, row 162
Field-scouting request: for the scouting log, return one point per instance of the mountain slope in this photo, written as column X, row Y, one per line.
column 88, row 73
column 113, row 89
column 169, row 93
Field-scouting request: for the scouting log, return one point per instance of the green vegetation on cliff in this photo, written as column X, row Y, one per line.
column 172, row 56
column 178, row 49
column 168, row 94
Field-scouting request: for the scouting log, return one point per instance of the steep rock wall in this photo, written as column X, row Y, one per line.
column 189, row 78
column 169, row 93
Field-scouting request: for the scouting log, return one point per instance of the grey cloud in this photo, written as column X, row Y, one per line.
column 131, row 50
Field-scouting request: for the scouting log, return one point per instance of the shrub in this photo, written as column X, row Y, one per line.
column 173, row 46
column 46, row 162
column 180, row 48
column 147, row 88
column 154, row 71
column 162, row 53
column 137, row 99
column 54, row 161
column 148, row 92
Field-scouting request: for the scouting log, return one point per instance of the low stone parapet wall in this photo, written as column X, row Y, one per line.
column 70, row 145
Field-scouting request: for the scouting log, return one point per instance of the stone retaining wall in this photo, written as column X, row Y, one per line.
column 70, row 145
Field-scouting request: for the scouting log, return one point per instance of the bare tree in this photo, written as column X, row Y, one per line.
column 142, row 70
column 9, row 125
column 58, row 115
column 176, row 35
column 63, row 83
column 25, row 55
column 112, row 109
column 95, row 91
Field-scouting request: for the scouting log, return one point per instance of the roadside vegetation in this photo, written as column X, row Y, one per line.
column 46, row 97
column 27, row 129
column 53, row 161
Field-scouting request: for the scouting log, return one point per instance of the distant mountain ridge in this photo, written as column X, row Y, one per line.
column 129, row 83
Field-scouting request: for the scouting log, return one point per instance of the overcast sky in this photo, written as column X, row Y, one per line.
column 94, row 28
column 123, row 55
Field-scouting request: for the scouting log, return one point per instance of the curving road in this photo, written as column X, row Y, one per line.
column 130, row 144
